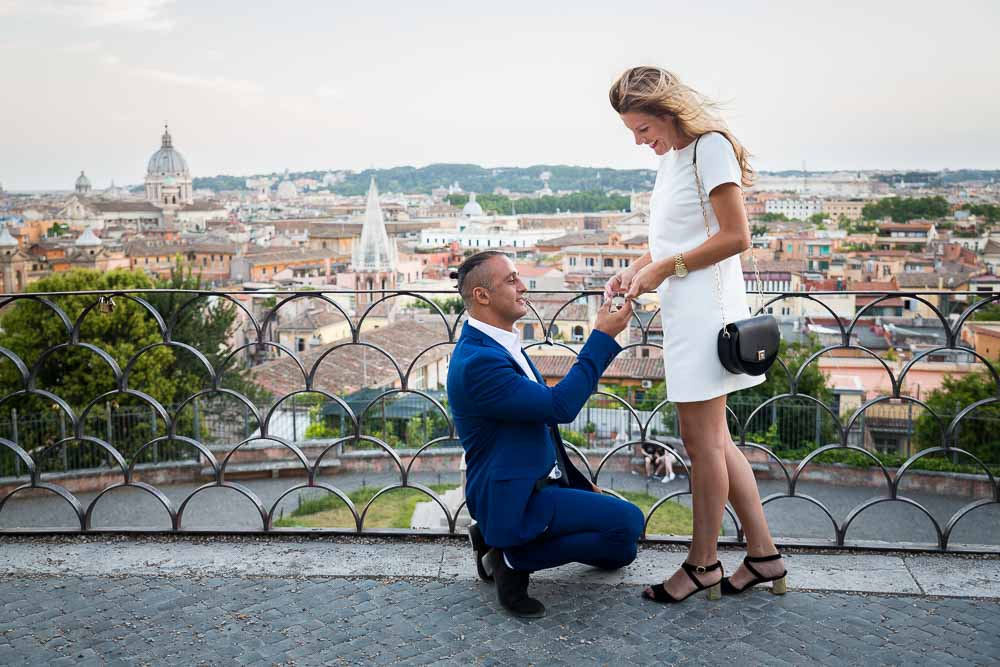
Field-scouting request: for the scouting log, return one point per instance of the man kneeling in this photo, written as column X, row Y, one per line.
column 533, row 509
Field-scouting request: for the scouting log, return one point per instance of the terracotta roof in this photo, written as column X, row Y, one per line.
column 203, row 205
column 139, row 248
column 872, row 286
column 623, row 368
column 577, row 238
column 123, row 207
column 533, row 271
column 789, row 265
column 929, row 280
column 273, row 256
column 312, row 320
column 356, row 367
column 906, row 226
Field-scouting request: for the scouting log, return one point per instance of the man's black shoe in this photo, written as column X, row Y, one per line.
column 512, row 588
column 479, row 549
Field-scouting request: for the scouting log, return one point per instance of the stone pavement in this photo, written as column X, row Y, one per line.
column 184, row 600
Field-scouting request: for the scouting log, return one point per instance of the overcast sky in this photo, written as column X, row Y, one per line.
column 260, row 86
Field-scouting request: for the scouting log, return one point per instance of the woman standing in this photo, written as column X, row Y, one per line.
column 699, row 280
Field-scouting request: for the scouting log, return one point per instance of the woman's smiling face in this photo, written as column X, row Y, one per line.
column 658, row 132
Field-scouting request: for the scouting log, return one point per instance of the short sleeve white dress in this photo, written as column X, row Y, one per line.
column 689, row 306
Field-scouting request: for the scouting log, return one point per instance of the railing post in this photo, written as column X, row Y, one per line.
column 909, row 429
column 197, row 421
column 62, row 436
column 295, row 433
column 152, row 431
column 13, row 438
column 108, row 424
column 955, row 434
column 817, row 429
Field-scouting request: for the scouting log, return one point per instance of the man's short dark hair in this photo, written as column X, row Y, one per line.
column 470, row 275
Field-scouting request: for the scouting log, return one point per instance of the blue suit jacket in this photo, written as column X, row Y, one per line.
column 508, row 427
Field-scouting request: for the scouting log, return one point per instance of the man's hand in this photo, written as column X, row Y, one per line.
column 649, row 278
column 613, row 322
column 620, row 282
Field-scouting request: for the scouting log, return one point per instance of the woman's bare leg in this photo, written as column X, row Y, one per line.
column 706, row 437
column 745, row 499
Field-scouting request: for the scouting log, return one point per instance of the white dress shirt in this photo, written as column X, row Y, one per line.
column 511, row 341
column 508, row 340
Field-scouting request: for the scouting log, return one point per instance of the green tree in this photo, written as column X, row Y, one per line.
column 796, row 418
column 989, row 211
column 121, row 329
column 451, row 305
column 579, row 202
column 78, row 375
column 902, row 209
column 979, row 432
column 206, row 325
column 990, row 313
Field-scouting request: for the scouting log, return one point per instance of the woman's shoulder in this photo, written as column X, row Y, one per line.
column 714, row 142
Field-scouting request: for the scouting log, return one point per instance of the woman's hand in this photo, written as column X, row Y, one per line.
column 620, row 282
column 649, row 278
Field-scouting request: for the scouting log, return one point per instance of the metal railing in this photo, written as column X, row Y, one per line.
column 43, row 434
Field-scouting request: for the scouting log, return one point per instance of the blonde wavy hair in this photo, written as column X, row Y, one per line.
column 658, row 92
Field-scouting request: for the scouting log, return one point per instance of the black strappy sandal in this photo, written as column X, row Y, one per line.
column 660, row 593
column 779, row 587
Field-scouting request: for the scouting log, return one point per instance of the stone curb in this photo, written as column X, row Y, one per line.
column 937, row 575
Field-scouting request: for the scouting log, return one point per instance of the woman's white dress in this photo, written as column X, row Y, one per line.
column 689, row 306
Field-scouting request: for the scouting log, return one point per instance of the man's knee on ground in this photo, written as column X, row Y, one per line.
column 623, row 536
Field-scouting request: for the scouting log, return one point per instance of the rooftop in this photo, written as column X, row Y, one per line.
column 353, row 369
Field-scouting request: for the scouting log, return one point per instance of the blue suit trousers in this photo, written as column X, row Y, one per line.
column 586, row 527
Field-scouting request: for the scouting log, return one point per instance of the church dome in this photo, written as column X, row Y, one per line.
column 82, row 181
column 472, row 208
column 167, row 160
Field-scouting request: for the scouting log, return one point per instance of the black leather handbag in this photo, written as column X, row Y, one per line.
column 750, row 345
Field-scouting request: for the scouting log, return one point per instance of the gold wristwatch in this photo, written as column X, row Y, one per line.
column 680, row 269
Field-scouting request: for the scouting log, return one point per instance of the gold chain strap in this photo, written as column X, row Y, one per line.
column 708, row 234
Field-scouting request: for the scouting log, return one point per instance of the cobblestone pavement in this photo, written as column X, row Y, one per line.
column 789, row 518
column 73, row 620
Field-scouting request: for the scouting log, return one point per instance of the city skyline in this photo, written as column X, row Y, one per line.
column 256, row 90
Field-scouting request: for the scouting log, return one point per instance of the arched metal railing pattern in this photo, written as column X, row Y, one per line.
column 259, row 325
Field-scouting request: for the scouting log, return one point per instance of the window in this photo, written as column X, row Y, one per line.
column 623, row 262
column 589, row 261
column 609, row 263
column 300, row 344
column 532, row 284
column 887, row 445
column 572, row 261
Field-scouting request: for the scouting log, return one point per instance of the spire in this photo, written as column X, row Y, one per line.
column 167, row 140
column 374, row 252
